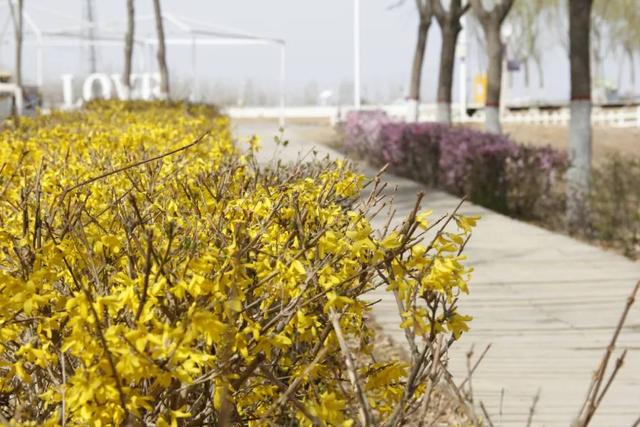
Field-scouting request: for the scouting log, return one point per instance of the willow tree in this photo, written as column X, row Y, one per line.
column 599, row 26
column 614, row 30
column 491, row 21
column 626, row 32
column 128, row 49
column 623, row 31
column 579, row 172
column 527, row 20
column 449, row 22
column 162, row 52
column 425, row 14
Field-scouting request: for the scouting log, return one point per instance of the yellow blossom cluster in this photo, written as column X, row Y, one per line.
column 152, row 273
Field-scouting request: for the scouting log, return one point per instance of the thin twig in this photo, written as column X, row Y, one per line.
column 377, row 176
column 446, row 223
column 532, row 409
column 63, row 415
column 617, row 367
column 486, row 414
column 147, row 273
column 365, row 410
column 103, row 341
column 468, row 408
column 134, row 165
column 594, row 397
column 398, row 411
column 295, row 384
column 475, row 366
column 501, row 404
column 408, row 333
column 299, row 406
column 431, row 381
column 469, row 374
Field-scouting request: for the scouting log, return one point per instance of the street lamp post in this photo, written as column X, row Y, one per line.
column 506, row 32
column 462, row 55
column 356, row 54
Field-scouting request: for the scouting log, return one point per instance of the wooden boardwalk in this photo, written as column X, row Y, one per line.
column 547, row 303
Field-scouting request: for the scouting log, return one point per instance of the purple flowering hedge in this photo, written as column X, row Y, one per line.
column 494, row 171
column 362, row 131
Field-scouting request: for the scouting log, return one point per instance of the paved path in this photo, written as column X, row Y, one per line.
column 546, row 302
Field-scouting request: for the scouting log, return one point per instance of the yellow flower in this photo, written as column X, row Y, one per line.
column 195, row 276
column 466, row 223
column 423, row 219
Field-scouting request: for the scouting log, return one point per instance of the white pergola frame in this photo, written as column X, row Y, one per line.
column 192, row 33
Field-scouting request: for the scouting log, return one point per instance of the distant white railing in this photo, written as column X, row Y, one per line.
column 615, row 117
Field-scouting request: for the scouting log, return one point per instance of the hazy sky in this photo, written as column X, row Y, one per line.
column 319, row 45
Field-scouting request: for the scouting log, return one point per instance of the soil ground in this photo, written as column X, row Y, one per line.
column 318, row 130
column 606, row 140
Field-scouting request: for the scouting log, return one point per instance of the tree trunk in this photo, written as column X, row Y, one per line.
column 595, row 41
column 494, row 77
column 538, row 62
column 17, row 17
column 416, row 70
column 450, row 31
column 128, row 49
column 93, row 57
column 632, row 66
column 579, row 172
column 162, row 54
column 620, row 61
column 491, row 22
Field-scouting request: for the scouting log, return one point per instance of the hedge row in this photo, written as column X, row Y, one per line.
column 152, row 273
column 522, row 181
column 491, row 169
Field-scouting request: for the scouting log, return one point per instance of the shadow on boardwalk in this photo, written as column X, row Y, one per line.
column 546, row 302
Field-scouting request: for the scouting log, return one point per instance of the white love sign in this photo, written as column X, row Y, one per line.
column 143, row 86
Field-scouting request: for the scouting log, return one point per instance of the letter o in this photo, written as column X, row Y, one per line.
column 105, row 86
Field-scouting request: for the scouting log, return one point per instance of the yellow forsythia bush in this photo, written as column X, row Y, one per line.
column 153, row 273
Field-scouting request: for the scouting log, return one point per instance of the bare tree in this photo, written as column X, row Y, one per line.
column 630, row 52
column 624, row 32
column 491, row 22
column 89, row 14
column 527, row 21
column 449, row 22
column 599, row 28
column 17, row 17
column 559, row 23
column 128, row 48
column 162, row 52
column 614, row 31
column 425, row 13
column 579, row 172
